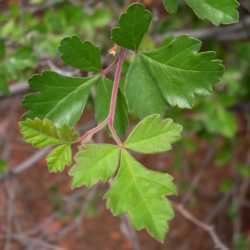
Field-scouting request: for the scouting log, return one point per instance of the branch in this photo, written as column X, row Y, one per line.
column 28, row 163
column 238, row 31
column 205, row 227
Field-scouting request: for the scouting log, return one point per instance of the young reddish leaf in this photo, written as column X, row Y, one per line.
column 132, row 27
column 81, row 55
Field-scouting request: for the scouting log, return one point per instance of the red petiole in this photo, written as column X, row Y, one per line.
column 111, row 115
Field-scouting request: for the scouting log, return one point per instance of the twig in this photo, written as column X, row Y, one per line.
column 205, row 227
column 229, row 33
column 115, row 89
column 130, row 233
column 28, row 163
column 195, row 182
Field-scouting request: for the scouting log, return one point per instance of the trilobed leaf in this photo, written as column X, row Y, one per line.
column 173, row 73
column 42, row 133
column 153, row 135
column 132, row 26
column 94, row 163
column 140, row 193
column 81, row 55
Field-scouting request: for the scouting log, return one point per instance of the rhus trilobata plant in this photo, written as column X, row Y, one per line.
column 172, row 74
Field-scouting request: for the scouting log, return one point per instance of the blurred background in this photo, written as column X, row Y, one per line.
column 211, row 164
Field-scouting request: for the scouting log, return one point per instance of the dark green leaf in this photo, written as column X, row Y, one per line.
column 171, row 5
column 175, row 72
column 81, row 55
column 132, row 27
column 58, row 98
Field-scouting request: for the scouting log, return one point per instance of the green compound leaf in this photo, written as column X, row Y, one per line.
column 217, row 12
column 102, row 103
column 140, row 193
column 43, row 133
column 59, row 158
column 132, row 27
column 173, row 73
column 171, row 5
column 153, row 135
column 81, row 55
column 94, row 163
column 58, row 98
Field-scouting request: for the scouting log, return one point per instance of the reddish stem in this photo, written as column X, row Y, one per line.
column 109, row 67
column 89, row 134
column 115, row 89
column 110, row 118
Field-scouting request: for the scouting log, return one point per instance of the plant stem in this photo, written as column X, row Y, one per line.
column 89, row 134
column 110, row 118
column 108, row 69
column 115, row 89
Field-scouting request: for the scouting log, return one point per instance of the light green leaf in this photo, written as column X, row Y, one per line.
column 102, row 103
column 171, row 5
column 140, row 193
column 42, row 133
column 94, row 163
column 3, row 166
column 59, row 158
column 58, row 98
column 81, row 55
column 175, row 72
column 153, row 135
column 132, row 27
column 218, row 12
